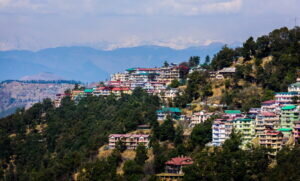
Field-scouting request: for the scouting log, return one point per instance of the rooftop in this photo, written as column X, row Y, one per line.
column 269, row 102
column 284, row 129
column 268, row 114
column 232, row 111
column 129, row 135
column 170, row 109
column 180, row 161
column 289, row 107
column 88, row 90
column 297, row 84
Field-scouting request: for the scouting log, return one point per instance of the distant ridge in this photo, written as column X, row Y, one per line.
column 90, row 65
column 42, row 76
column 43, row 81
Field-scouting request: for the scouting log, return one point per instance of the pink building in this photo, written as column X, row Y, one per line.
column 131, row 141
column 269, row 106
column 296, row 131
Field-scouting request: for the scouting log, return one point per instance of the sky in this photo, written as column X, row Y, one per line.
column 110, row 24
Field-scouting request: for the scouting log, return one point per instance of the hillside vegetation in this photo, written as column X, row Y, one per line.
column 263, row 66
column 71, row 136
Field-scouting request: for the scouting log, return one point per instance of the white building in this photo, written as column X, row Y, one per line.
column 221, row 130
column 199, row 117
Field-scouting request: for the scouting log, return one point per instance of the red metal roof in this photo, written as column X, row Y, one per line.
column 273, row 132
column 268, row 114
column 103, row 88
column 120, row 89
column 180, row 161
column 129, row 135
column 269, row 102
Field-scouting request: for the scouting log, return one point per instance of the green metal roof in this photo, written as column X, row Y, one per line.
column 297, row 84
column 170, row 109
column 289, row 107
column 232, row 111
column 284, row 129
column 130, row 69
column 88, row 90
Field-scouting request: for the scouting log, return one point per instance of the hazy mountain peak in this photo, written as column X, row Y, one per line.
column 42, row 76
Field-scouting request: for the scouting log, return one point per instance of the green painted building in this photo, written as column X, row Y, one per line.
column 288, row 115
column 246, row 127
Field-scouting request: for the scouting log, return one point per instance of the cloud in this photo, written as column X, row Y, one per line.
column 123, row 7
column 35, row 24
column 198, row 7
column 4, row 3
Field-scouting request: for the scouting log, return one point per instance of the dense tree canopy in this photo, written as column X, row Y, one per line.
column 52, row 143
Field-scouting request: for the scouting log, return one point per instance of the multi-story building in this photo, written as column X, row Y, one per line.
column 199, row 117
column 169, row 93
column 233, row 114
column 246, row 127
column 167, row 74
column 253, row 112
column 265, row 121
column 285, row 98
column 295, row 87
column 270, row 106
column 131, row 141
column 119, row 77
column 271, row 139
column 288, row 115
column 221, row 130
column 296, row 130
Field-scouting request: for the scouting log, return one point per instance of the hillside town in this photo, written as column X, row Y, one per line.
column 273, row 125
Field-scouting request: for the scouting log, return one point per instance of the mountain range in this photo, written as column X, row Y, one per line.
column 88, row 64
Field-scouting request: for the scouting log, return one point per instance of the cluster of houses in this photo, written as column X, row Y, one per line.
column 274, row 124
column 152, row 80
column 155, row 81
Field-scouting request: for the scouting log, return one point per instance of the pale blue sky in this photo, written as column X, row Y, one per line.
column 37, row 24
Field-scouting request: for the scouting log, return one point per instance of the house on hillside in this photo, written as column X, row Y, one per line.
column 173, row 112
column 285, row 98
column 130, row 141
column 269, row 106
column 265, row 121
column 174, row 168
column 295, row 87
column 221, row 130
column 271, row 139
column 246, row 127
column 199, row 117
column 288, row 115
column 226, row 72
column 233, row 114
